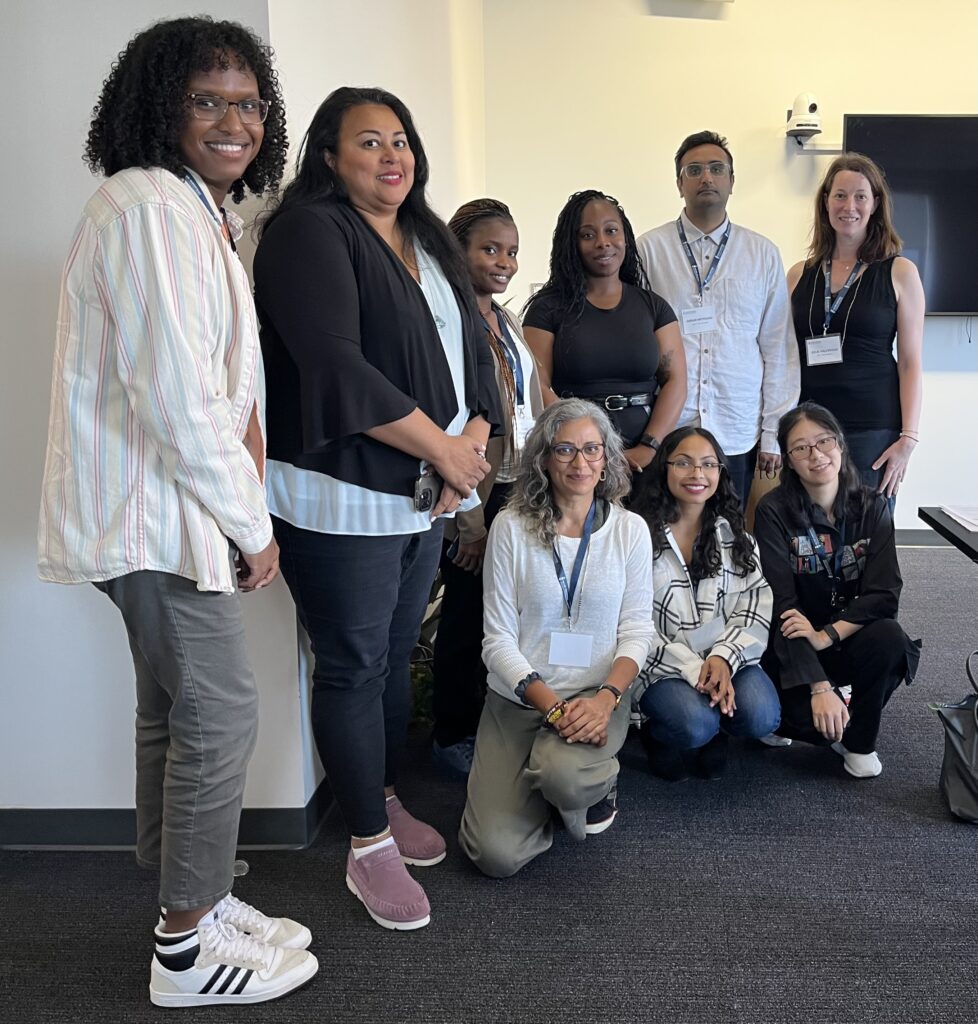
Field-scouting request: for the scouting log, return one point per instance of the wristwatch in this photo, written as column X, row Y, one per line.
column 523, row 684
column 613, row 690
column 649, row 441
column 833, row 634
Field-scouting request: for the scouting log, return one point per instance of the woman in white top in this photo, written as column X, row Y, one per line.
column 702, row 682
column 487, row 233
column 568, row 607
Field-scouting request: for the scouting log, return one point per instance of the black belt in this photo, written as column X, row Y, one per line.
column 615, row 403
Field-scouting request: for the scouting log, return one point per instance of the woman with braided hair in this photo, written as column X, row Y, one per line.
column 599, row 332
column 487, row 233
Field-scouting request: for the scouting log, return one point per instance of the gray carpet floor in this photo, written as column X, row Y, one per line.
column 785, row 892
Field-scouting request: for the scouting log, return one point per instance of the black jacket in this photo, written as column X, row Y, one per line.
column 861, row 553
column 349, row 343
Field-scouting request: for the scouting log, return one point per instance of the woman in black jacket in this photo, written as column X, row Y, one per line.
column 380, row 398
column 828, row 550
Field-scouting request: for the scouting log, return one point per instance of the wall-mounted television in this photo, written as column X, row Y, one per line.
column 931, row 165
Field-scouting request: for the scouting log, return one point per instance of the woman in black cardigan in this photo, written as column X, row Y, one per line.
column 380, row 398
column 828, row 550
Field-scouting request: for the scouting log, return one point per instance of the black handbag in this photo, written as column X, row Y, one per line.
column 959, row 772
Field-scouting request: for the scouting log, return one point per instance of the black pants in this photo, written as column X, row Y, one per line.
column 873, row 662
column 742, row 473
column 459, row 684
column 361, row 600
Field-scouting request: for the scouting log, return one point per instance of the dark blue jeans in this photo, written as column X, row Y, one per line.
column 361, row 600
column 741, row 468
column 680, row 716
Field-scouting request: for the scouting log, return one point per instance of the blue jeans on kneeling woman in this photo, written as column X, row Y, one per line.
column 680, row 716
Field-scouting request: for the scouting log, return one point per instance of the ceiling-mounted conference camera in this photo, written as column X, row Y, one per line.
column 804, row 120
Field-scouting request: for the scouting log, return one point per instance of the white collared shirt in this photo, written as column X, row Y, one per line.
column 156, row 372
column 743, row 376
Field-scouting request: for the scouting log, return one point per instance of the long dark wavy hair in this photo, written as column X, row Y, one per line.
column 657, row 505
column 315, row 181
column 854, row 497
column 142, row 109
column 568, row 281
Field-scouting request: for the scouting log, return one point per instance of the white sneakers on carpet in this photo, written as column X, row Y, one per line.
column 861, row 766
column 218, row 962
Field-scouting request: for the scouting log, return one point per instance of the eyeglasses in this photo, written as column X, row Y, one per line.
column 823, row 444
column 593, row 451
column 214, row 108
column 687, row 465
column 716, row 168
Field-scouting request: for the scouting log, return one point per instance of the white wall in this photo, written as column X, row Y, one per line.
column 581, row 94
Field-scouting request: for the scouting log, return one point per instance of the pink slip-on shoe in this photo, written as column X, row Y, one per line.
column 382, row 884
column 419, row 843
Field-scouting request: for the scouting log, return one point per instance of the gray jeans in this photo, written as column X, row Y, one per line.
column 196, row 725
column 520, row 773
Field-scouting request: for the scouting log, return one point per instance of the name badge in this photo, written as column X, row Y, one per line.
column 571, row 649
column 825, row 349
column 698, row 319
column 704, row 637
column 522, row 427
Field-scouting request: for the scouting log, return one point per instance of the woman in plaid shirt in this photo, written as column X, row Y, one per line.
column 712, row 611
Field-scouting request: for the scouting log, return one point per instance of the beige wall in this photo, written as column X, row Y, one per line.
column 585, row 94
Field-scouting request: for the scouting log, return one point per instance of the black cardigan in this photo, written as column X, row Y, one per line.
column 349, row 343
column 868, row 567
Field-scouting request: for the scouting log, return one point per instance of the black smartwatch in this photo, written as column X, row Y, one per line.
column 649, row 441
column 833, row 634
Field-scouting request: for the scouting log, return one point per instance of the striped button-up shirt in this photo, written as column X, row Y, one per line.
column 156, row 373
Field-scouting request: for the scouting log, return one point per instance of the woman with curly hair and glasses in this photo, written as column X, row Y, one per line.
column 568, row 602
column 154, row 466
column 702, row 682
column 599, row 332
column 828, row 548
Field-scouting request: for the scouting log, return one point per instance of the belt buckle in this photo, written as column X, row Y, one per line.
column 616, row 398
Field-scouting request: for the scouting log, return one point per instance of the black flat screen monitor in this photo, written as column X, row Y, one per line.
column 931, row 165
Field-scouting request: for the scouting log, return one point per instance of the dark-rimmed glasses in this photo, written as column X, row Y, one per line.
column 687, row 465
column 823, row 444
column 214, row 108
column 593, row 451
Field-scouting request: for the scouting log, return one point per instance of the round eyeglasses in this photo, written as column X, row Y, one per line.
column 214, row 108
column 717, row 169
column 823, row 444
column 593, row 451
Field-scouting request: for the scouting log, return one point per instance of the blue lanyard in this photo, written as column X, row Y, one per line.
column 714, row 263
column 221, row 221
column 511, row 352
column 831, row 568
column 569, row 591
column 830, row 311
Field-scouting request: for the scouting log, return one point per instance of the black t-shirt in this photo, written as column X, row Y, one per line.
column 863, row 391
column 606, row 351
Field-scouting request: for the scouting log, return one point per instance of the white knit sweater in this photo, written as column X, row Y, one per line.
column 524, row 603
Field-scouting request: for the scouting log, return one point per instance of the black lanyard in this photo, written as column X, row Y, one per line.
column 222, row 221
column 570, row 590
column 830, row 310
column 511, row 352
column 714, row 263
column 831, row 567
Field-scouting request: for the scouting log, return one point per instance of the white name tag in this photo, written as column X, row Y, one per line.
column 524, row 424
column 827, row 349
column 704, row 637
column 571, row 649
column 698, row 319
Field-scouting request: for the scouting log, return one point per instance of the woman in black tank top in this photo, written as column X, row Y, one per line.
column 850, row 298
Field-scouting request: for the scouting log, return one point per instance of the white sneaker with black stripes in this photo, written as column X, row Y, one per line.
column 277, row 931
column 217, row 964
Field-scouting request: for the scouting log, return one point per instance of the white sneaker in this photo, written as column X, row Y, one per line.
column 861, row 766
column 277, row 931
column 217, row 964
column 774, row 740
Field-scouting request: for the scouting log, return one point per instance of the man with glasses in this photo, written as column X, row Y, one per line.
column 727, row 285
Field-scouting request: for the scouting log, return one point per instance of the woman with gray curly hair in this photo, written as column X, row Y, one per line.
column 568, row 623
